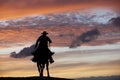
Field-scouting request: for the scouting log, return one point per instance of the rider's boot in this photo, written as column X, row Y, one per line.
column 51, row 60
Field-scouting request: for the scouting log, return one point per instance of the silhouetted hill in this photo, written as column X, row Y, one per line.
column 101, row 78
column 33, row 78
column 55, row 78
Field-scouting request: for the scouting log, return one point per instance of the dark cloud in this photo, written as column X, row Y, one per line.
column 27, row 51
column 85, row 37
column 115, row 21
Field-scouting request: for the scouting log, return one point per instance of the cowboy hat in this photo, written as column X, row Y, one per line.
column 44, row 32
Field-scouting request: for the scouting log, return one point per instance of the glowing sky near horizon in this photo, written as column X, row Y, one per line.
column 71, row 64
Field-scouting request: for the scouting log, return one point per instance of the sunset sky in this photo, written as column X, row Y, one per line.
column 10, row 9
column 19, row 8
column 84, row 61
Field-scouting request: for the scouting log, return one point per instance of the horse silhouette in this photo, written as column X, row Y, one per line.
column 41, row 65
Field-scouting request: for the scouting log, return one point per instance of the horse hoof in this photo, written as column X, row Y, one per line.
column 48, row 76
column 41, row 75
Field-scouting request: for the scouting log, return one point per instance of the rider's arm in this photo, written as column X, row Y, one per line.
column 37, row 42
column 49, row 41
column 49, row 44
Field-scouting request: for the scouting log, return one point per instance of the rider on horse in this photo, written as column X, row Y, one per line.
column 42, row 49
column 42, row 54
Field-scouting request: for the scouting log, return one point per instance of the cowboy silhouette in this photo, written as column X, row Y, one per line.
column 42, row 54
column 42, row 44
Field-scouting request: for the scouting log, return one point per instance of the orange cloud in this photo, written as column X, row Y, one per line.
column 13, row 9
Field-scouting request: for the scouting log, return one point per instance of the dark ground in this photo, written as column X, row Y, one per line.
column 55, row 78
column 32, row 78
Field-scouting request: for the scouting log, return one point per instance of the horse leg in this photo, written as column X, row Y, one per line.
column 47, row 68
column 42, row 68
column 39, row 69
